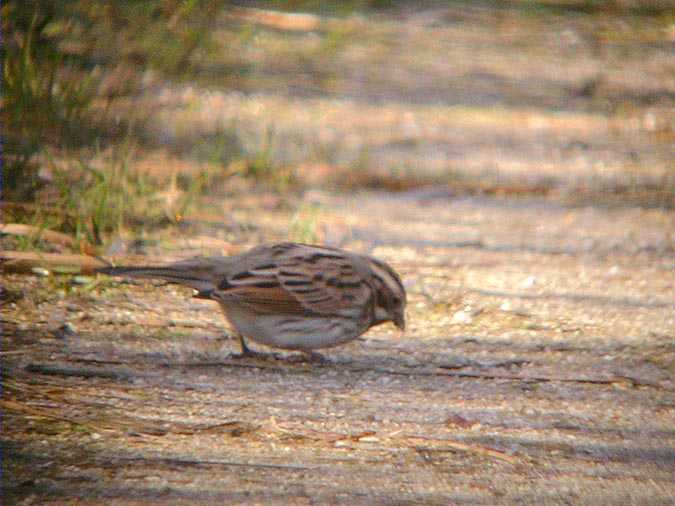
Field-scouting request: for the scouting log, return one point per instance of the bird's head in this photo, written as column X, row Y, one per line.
column 390, row 294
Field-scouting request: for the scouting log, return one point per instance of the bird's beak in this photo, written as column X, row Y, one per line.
column 399, row 321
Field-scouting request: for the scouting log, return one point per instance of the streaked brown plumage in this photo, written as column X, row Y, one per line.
column 289, row 295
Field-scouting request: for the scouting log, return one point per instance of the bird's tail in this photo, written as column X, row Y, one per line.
column 193, row 275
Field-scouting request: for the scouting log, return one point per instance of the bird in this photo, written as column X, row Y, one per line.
column 290, row 296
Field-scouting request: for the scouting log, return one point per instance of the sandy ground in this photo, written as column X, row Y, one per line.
column 538, row 362
column 463, row 93
column 537, row 368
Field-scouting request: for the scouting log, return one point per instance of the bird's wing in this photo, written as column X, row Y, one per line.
column 323, row 280
column 260, row 300
column 296, row 278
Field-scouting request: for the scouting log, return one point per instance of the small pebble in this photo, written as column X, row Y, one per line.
column 462, row 316
column 64, row 331
column 40, row 271
column 529, row 282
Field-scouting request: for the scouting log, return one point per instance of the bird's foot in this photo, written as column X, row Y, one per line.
column 307, row 356
column 311, row 357
column 248, row 353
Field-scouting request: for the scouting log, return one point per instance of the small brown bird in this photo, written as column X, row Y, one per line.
column 289, row 295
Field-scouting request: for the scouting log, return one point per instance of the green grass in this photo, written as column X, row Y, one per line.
column 304, row 224
column 41, row 101
column 56, row 55
column 91, row 202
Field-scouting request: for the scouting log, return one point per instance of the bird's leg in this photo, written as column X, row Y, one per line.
column 246, row 352
column 309, row 356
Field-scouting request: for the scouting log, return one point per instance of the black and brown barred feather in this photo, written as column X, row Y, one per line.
column 291, row 295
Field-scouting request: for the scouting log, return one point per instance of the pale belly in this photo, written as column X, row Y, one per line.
column 294, row 332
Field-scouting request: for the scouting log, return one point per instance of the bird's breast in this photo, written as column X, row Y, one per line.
column 301, row 332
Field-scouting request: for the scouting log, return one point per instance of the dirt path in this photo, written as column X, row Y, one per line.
column 538, row 367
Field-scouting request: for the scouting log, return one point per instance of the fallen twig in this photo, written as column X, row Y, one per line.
column 456, row 445
column 20, row 407
column 233, row 428
column 31, row 231
column 24, row 261
column 217, row 462
column 56, row 370
column 547, row 379
column 515, row 377
column 317, row 435
column 293, row 22
column 18, row 352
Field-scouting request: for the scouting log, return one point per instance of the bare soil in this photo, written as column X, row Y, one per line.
column 537, row 368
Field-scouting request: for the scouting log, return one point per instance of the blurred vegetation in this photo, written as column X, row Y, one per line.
column 65, row 61
column 73, row 70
